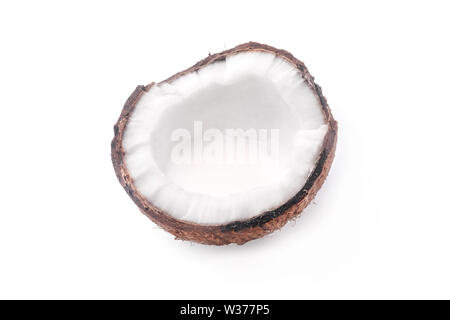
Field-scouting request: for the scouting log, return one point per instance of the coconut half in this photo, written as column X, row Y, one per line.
column 228, row 150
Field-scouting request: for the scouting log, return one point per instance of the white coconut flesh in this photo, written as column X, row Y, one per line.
column 181, row 154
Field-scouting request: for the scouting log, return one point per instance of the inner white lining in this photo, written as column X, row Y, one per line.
column 249, row 91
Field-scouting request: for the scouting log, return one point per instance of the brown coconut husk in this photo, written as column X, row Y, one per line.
column 239, row 231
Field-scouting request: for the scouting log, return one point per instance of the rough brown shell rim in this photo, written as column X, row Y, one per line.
column 240, row 231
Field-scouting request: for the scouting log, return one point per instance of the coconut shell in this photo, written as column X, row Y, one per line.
column 238, row 232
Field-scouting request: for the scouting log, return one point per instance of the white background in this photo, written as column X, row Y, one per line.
column 379, row 228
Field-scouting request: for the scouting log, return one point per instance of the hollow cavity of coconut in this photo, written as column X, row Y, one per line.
column 228, row 150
